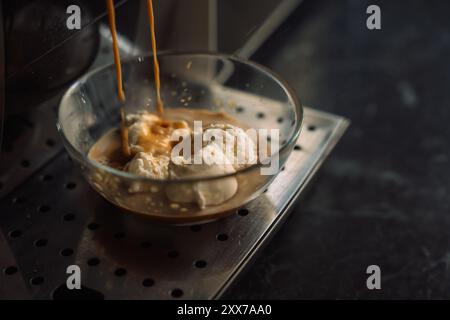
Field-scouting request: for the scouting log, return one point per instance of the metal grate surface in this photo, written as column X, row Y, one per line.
column 54, row 219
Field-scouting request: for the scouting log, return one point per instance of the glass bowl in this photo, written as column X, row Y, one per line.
column 250, row 93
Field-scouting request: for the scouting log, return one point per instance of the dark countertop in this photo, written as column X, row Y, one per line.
column 382, row 198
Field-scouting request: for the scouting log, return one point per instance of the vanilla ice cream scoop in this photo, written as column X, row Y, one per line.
column 136, row 130
column 224, row 150
column 207, row 192
column 146, row 165
column 139, row 125
column 239, row 147
column 152, row 134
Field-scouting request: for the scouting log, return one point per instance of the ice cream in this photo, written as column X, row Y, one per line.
column 206, row 192
column 146, row 165
column 239, row 147
column 223, row 149
column 151, row 134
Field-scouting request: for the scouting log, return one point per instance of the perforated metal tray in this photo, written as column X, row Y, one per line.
column 51, row 219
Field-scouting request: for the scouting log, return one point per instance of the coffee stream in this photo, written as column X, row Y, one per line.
column 151, row 17
column 120, row 92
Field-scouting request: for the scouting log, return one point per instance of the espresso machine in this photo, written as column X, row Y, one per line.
column 50, row 218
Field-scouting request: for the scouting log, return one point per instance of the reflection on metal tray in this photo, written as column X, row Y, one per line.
column 53, row 220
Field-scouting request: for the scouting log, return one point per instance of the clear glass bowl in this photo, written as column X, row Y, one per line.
column 245, row 90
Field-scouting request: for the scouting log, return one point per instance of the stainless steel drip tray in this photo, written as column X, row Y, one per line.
column 54, row 220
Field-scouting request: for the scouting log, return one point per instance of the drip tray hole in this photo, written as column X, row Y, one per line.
column 85, row 293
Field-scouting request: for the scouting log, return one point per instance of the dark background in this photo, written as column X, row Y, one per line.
column 382, row 198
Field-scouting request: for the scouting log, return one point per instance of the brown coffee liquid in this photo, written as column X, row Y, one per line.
column 151, row 17
column 112, row 27
column 120, row 93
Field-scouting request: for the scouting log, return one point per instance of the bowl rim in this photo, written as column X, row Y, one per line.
column 84, row 159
